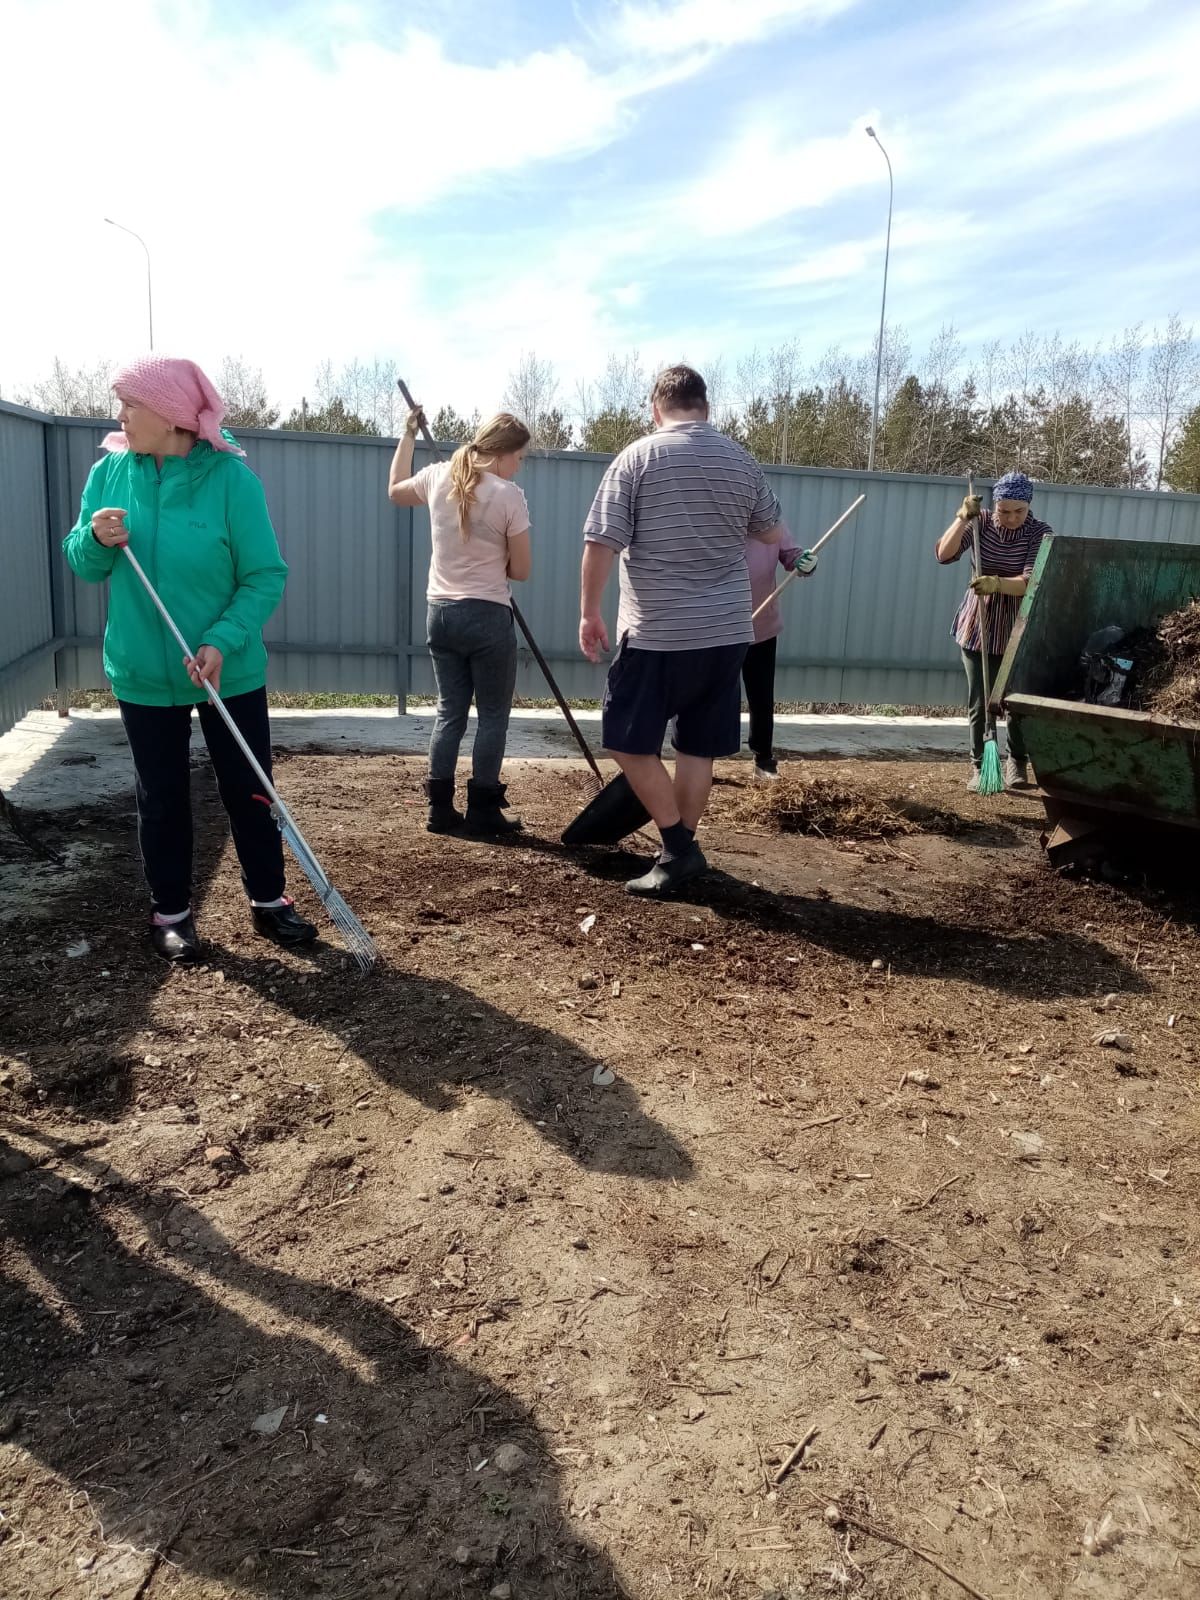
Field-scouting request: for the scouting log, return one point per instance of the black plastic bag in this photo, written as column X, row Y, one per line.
column 1105, row 670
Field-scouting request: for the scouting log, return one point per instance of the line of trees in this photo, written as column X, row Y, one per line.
column 1125, row 414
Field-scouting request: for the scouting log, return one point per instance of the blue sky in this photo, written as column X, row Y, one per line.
column 454, row 184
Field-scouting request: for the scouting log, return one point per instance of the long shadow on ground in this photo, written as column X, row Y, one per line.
column 426, row 1038
column 138, row 1382
column 126, row 1376
column 967, row 943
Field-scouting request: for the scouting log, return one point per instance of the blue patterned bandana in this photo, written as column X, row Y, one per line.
column 1012, row 486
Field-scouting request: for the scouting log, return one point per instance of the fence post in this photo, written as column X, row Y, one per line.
column 58, row 520
column 404, row 521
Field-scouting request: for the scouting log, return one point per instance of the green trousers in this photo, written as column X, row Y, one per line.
column 977, row 710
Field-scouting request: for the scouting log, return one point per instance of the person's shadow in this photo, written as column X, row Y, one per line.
column 965, row 943
column 429, row 1038
column 426, row 1038
column 297, row 1441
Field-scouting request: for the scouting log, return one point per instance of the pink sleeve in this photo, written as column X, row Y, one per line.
column 423, row 482
column 517, row 521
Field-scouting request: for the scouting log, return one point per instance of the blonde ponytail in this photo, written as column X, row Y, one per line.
column 499, row 436
column 464, row 480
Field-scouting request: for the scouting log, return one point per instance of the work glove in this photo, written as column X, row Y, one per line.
column 801, row 561
column 986, row 584
column 971, row 507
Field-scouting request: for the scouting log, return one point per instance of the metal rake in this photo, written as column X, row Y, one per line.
column 362, row 947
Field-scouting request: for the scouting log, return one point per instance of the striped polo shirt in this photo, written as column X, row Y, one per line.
column 679, row 506
column 1004, row 553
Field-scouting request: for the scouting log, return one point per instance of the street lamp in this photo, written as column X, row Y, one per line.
column 871, row 134
column 149, row 294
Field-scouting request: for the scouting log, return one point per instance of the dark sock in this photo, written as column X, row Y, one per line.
column 677, row 841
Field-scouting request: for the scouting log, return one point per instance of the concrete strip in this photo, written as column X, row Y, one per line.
column 49, row 763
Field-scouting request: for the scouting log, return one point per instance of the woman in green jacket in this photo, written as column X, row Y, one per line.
column 173, row 486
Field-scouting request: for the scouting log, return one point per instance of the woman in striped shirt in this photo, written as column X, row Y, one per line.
column 1009, row 538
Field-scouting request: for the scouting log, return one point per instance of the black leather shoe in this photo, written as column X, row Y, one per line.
column 665, row 877
column 177, row 941
column 284, row 925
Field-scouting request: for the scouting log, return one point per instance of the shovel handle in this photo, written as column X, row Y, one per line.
column 406, row 396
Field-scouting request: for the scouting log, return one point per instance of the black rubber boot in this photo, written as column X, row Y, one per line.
column 177, row 941
column 284, row 925
column 444, row 817
column 486, row 804
column 665, row 877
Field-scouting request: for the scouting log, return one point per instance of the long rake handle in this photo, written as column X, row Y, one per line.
column 824, row 539
column 519, row 619
column 223, row 710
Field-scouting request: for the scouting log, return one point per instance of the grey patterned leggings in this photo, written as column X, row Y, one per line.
column 474, row 648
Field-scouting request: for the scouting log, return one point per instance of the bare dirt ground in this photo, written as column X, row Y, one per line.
column 313, row 1285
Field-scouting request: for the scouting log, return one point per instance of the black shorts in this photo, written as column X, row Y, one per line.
column 701, row 689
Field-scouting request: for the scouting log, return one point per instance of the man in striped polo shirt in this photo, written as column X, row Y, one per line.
column 1009, row 539
column 678, row 507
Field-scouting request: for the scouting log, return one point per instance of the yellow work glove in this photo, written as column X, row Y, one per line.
column 999, row 586
column 971, row 507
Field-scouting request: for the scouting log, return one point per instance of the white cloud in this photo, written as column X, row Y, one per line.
column 1111, row 102
column 914, row 235
column 764, row 176
column 671, row 27
column 308, row 186
column 257, row 173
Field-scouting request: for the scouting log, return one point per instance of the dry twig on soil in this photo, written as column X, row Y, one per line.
column 796, row 1457
column 835, row 1514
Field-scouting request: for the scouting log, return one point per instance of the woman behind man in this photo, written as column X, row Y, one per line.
column 173, row 487
column 758, row 669
column 480, row 525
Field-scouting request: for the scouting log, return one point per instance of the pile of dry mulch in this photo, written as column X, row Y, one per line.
column 820, row 806
column 1168, row 665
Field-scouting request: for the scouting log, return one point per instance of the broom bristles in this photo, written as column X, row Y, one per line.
column 991, row 777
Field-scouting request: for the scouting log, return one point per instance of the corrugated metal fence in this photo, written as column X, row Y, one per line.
column 872, row 627
column 26, row 611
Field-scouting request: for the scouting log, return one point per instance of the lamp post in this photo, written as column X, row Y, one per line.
column 871, row 134
column 149, row 292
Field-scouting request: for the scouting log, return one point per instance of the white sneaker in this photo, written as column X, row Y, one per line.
column 766, row 774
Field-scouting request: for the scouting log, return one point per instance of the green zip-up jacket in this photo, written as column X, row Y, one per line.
column 200, row 528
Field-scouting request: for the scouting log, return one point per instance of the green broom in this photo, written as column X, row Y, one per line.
column 991, row 774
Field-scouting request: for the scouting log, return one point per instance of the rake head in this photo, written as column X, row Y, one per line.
column 359, row 942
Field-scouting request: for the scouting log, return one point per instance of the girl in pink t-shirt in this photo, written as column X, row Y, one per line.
column 480, row 523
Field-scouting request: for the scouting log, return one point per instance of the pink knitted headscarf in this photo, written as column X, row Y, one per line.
column 178, row 391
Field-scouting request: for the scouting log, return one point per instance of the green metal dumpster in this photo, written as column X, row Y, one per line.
column 1100, row 762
